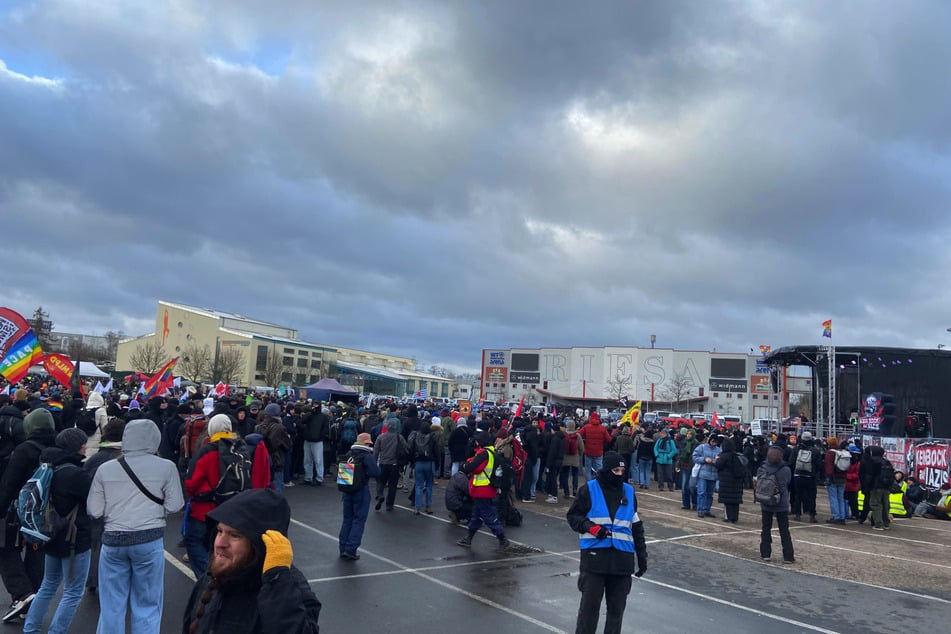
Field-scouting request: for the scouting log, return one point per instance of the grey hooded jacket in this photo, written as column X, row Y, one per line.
column 115, row 497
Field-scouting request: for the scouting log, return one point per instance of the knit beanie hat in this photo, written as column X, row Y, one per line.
column 272, row 409
column 38, row 419
column 218, row 424
column 612, row 459
column 71, row 440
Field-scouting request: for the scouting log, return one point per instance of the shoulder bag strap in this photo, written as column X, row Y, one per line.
column 138, row 483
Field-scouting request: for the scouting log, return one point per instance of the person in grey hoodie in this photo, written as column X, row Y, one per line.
column 775, row 466
column 132, row 563
column 390, row 451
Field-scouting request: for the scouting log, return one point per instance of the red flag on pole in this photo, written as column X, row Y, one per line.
column 221, row 389
column 158, row 380
column 518, row 410
column 715, row 421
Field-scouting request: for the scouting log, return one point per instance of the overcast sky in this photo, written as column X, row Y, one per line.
column 432, row 178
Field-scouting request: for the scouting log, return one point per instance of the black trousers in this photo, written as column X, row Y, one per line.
column 766, row 538
column 732, row 512
column 21, row 567
column 614, row 589
column 389, row 477
column 804, row 495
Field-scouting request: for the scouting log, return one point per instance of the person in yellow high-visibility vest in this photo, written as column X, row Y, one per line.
column 896, row 499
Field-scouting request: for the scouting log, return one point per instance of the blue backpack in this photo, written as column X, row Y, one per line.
column 39, row 521
column 348, row 433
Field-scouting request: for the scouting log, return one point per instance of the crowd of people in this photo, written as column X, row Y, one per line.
column 121, row 466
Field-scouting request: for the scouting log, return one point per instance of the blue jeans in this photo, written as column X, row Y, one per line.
column 644, row 472
column 688, row 493
column 196, row 545
column 277, row 481
column 133, row 575
column 837, row 504
column 592, row 465
column 288, row 465
column 705, row 494
column 455, row 468
column 424, row 483
column 56, row 571
column 356, row 507
column 313, row 461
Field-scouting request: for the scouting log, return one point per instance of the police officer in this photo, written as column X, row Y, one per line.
column 612, row 542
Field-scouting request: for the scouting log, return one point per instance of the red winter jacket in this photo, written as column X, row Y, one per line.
column 204, row 479
column 596, row 438
column 852, row 478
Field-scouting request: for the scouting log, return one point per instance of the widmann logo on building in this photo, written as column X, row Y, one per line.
column 496, row 375
column 525, row 377
column 727, row 385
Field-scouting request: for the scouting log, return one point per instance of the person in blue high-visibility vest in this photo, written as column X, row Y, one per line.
column 612, row 545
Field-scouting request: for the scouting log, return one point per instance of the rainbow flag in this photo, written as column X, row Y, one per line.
column 158, row 381
column 827, row 328
column 21, row 355
column 54, row 405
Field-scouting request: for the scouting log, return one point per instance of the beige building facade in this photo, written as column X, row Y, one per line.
column 179, row 327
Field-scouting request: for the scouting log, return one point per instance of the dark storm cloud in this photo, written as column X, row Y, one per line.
column 433, row 178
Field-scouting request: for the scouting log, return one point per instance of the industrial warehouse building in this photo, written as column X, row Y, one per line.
column 180, row 328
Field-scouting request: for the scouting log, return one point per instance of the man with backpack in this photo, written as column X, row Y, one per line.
column 807, row 464
column 771, row 490
column 665, row 453
column 68, row 549
column 22, row 574
column 877, row 476
column 354, row 471
column 277, row 441
column 480, row 469
column 837, row 462
column 222, row 470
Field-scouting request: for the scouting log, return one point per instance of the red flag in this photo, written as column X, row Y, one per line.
column 221, row 389
column 158, row 380
column 59, row 367
column 715, row 421
column 518, row 410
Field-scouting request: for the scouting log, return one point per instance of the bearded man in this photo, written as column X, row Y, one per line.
column 251, row 585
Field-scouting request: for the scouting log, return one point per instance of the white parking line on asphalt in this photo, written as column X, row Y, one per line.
column 180, row 565
column 461, row 564
column 448, row 586
column 877, row 555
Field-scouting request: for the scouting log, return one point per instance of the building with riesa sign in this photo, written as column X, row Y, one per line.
column 251, row 342
column 728, row 383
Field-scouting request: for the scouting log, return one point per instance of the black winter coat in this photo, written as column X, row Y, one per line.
column 315, row 426
column 23, row 462
column 11, row 420
column 69, row 490
column 555, row 455
column 278, row 602
column 530, row 443
column 732, row 476
column 606, row 561
column 459, row 443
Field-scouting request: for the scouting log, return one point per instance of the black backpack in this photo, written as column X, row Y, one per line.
column 422, row 446
column 503, row 473
column 86, row 421
column 234, row 464
column 350, row 476
column 886, row 477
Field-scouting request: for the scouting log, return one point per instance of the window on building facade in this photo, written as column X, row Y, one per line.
column 260, row 360
column 716, row 395
column 729, row 394
column 301, row 378
column 302, row 353
column 286, row 376
column 314, row 378
column 288, row 351
column 315, row 364
column 258, row 377
column 288, row 361
column 302, row 363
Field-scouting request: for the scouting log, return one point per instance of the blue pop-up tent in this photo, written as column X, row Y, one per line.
column 328, row 390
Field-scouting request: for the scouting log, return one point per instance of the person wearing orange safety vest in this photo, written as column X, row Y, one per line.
column 612, row 544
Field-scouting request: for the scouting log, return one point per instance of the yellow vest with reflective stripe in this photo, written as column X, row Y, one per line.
column 481, row 479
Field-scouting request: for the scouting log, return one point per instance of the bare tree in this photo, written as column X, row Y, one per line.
column 112, row 343
column 230, row 365
column 273, row 368
column 196, row 364
column 148, row 357
column 677, row 389
column 619, row 386
column 42, row 328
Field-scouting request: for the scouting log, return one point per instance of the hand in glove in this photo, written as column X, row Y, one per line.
column 278, row 552
column 641, row 567
column 599, row 531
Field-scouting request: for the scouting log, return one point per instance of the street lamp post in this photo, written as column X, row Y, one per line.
column 654, row 339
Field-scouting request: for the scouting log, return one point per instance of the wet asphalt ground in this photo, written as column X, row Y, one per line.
column 704, row 574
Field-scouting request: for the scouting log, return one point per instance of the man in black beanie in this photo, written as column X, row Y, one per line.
column 251, row 585
column 612, row 542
